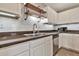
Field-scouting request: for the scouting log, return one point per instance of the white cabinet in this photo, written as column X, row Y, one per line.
column 15, row 8
column 49, row 46
column 41, row 47
column 70, row 41
column 37, row 47
column 52, row 15
column 25, row 53
column 37, row 51
column 60, row 40
column 69, row 16
column 75, row 38
column 14, row 49
column 65, row 40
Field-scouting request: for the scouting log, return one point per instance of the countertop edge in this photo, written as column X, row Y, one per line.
column 20, row 41
column 71, row 31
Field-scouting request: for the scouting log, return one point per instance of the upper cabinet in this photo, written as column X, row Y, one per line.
column 51, row 14
column 69, row 16
column 14, row 8
column 10, row 7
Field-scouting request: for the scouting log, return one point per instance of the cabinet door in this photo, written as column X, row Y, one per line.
column 70, row 41
column 63, row 18
column 51, row 14
column 42, row 47
column 75, row 38
column 37, row 51
column 66, row 41
column 11, row 7
column 69, row 16
column 25, row 53
column 37, row 47
column 49, row 46
column 14, row 49
column 61, row 40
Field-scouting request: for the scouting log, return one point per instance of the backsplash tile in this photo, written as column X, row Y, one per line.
column 9, row 24
column 70, row 26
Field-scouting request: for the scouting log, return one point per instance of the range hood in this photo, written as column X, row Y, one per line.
column 8, row 14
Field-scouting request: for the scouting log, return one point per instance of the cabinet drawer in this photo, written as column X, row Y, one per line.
column 14, row 49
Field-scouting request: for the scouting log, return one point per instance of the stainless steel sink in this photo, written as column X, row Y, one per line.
column 39, row 34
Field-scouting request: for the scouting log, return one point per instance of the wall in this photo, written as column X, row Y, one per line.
column 9, row 24
column 28, row 24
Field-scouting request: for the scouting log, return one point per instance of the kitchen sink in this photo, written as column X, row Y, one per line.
column 38, row 34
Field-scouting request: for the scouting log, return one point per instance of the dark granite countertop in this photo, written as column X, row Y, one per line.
column 6, row 39
column 71, row 31
column 11, row 40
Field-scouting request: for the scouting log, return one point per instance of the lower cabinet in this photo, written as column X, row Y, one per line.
column 75, row 39
column 15, row 49
column 70, row 41
column 41, row 47
column 65, row 40
column 38, row 47
column 37, row 51
column 24, row 53
column 49, row 46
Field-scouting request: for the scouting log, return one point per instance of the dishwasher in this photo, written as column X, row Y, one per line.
column 55, row 43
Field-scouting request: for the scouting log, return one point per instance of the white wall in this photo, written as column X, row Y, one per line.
column 28, row 24
column 9, row 24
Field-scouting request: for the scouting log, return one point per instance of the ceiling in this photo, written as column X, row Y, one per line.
column 59, row 7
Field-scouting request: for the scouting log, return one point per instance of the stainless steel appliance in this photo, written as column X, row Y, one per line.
column 55, row 44
column 62, row 29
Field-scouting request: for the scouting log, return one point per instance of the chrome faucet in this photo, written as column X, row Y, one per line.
column 34, row 29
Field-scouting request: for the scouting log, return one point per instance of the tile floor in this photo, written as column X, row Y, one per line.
column 65, row 52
